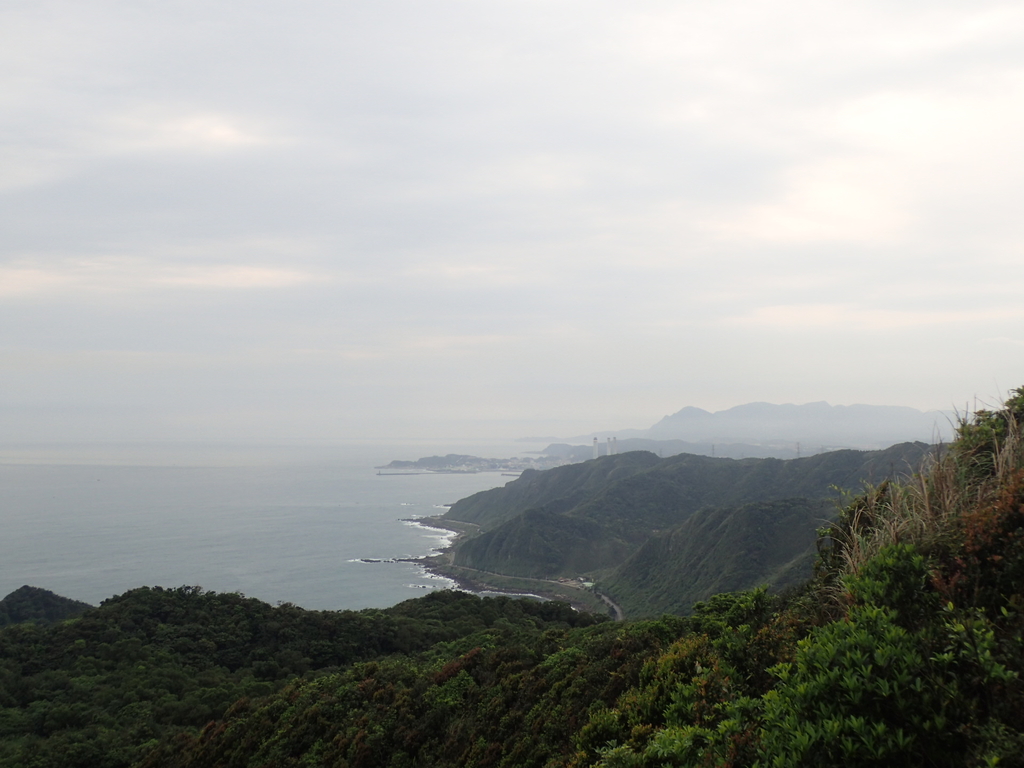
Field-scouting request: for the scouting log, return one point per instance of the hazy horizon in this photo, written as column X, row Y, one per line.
column 262, row 223
column 504, row 443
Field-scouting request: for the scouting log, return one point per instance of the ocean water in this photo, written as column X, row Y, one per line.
column 283, row 524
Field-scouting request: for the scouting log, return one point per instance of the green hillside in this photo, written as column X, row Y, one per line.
column 589, row 519
column 558, row 490
column 721, row 550
column 540, row 544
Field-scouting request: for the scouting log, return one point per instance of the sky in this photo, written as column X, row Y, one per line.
column 320, row 221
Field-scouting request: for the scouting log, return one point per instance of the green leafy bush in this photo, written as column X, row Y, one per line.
column 863, row 691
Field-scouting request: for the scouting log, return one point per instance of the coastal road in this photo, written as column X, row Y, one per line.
column 617, row 613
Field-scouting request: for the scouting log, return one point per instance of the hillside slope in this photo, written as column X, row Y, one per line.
column 587, row 518
column 721, row 550
column 558, row 489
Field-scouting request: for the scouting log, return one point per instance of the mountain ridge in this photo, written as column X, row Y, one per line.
column 859, row 425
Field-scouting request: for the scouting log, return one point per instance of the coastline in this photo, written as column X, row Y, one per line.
column 486, row 583
column 438, row 563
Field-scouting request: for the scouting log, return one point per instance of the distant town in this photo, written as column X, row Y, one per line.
column 453, row 463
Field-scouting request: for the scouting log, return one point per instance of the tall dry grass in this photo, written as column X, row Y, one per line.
column 923, row 511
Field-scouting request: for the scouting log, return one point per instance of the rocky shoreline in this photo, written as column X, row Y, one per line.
column 479, row 582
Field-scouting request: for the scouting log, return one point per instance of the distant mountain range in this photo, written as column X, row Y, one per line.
column 779, row 431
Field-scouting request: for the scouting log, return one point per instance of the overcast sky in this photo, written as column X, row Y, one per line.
column 404, row 218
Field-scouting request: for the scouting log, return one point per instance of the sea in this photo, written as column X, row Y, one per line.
column 315, row 526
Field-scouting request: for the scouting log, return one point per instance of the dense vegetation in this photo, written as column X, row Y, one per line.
column 721, row 550
column 642, row 526
column 103, row 689
column 904, row 649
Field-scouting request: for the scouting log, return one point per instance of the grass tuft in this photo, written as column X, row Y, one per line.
column 968, row 474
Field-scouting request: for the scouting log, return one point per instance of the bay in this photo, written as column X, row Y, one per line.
column 291, row 524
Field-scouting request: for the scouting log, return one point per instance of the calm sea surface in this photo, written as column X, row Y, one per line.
column 284, row 524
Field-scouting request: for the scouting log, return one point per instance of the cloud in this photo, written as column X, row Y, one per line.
column 559, row 204
column 836, row 200
column 1003, row 341
column 104, row 276
column 839, row 316
column 168, row 130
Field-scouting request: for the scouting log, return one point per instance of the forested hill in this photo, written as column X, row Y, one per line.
column 590, row 518
column 155, row 664
column 721, row 549
column 559, row 489
column 626, row 481
column 38, row 606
